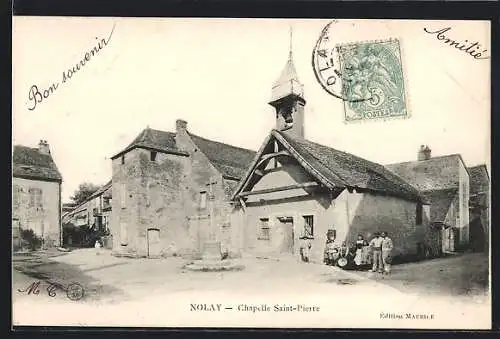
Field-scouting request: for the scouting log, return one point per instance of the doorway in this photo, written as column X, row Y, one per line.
column 448, row 239
column 477, row 236
column 154, row 247
column 285, row 235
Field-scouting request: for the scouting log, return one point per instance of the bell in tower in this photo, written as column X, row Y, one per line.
column 288, row 99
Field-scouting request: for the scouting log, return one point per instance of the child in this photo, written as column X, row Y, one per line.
column 97, row 247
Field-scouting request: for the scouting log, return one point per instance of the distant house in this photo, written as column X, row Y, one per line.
column 297, row 189
column 94, row 212
column 479, row 207
column 68, row 207
column 166, row 188
column 36, row 193
column 444, row 181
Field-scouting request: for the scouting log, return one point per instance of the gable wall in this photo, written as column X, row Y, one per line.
column 202, row 171
column 154, row 197
column 464, row 193
column 43, row 221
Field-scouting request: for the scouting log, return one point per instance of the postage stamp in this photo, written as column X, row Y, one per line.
column 372, row 80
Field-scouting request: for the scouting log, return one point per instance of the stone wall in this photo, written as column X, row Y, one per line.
column 44, row 219
column 202, row 171
column 150, row 195
column 348, row 213
column 464, row 193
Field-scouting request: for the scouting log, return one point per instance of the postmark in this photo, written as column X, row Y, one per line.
column 325, row 63
column 366, row 76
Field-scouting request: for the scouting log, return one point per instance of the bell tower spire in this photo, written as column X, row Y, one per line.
column 288, row 98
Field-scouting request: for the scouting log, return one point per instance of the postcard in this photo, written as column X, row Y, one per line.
column 251, row 173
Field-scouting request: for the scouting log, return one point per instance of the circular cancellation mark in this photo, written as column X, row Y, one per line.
column 75, row 291
column 326, row 65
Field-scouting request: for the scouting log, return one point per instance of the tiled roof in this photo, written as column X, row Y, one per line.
column 28, row 162
column 432, row 174
column 287, row 83
column 341, row 169
column 479, row 185
column 100, row 191
column 231, row 161
column 479, row 180
column 440, row 201
column 155, row 139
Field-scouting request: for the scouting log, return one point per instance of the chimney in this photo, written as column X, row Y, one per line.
column 180, row 126
column 424, row 153
column 43, row 147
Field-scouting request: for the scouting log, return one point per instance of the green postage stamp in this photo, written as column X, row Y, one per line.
column 372, row 80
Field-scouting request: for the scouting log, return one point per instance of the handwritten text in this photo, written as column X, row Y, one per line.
column 37, row 95
column 471, row 48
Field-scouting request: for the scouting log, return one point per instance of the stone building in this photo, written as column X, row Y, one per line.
column 295, row 189
column 444, row 182
column 36, row 194
column 479, row 208
column 68, row 207
column 165, row 188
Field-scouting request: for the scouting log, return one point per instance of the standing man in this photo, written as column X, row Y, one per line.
column 386, row 252
column 376, row 245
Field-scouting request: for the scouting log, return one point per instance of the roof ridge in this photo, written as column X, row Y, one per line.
column 440, row 189
column 220, row 142
column 376, row 168
column 432, row 158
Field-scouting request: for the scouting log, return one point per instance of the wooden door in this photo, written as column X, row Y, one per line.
column 287, row 235
column 154, row 246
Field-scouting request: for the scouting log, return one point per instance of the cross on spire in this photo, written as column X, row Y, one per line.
column 291, row 40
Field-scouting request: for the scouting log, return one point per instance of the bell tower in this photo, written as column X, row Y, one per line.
column 288, row 99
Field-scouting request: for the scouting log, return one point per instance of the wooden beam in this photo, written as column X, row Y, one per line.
column 243, row 205
column 268, row 156
column 279, row 189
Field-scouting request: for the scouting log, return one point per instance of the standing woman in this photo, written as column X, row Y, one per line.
column 361, row 254
column 330, row 250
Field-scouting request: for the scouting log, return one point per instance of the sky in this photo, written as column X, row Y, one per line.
column 217, row 75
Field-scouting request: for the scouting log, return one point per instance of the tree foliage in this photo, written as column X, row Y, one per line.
column 84, row 191
column 31, row 240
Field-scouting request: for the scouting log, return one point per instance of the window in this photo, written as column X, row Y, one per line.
column 123, row 159
column 123, row 196
column 203, row 200
column 264, row 229
column 419, row 214
column 152, row 156
column 308, row 226
column 123, row 234
column 35, row 198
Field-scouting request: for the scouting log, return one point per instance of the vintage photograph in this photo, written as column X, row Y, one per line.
column 257, row 173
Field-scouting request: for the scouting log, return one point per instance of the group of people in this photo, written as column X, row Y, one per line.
column 377, row 253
